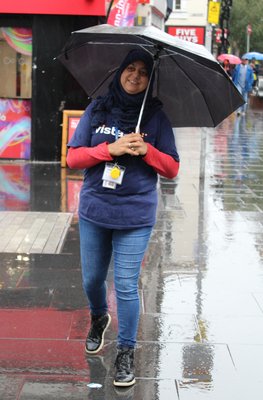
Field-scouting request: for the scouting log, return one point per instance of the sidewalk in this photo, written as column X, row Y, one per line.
column 201, row 288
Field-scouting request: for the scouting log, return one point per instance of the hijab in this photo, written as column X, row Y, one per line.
column 123, row 107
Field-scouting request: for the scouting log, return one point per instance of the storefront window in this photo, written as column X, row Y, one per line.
column 180, row 5
column 177, row 5
column 15, row 92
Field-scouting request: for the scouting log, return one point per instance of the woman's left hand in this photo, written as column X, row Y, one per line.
column 136, row 144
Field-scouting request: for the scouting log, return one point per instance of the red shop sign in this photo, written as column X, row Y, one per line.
column 66, row 7
column 194, row 34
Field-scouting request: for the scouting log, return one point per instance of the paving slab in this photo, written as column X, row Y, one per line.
column 33, row 232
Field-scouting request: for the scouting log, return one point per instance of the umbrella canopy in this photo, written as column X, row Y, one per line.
column 230, row 57
column 192, row 85
column 253, row 54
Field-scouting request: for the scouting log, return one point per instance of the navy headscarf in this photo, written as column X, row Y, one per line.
column 123, row 107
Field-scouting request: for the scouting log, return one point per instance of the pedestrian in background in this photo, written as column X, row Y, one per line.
column 227, row 67
column 118, row 199
column 243, row 79
column 255, row 66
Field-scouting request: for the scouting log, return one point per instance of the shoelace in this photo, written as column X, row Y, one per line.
column 123, row 360
column 96, row 329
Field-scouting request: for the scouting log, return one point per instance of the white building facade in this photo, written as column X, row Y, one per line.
column 188, row 21
column 151, row 12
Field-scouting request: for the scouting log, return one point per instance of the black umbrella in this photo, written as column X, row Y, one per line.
column 193, row 87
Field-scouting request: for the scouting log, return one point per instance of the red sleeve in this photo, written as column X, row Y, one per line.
column 162, row 163
column 86, row 157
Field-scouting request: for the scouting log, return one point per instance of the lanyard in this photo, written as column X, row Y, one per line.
column 116, row 133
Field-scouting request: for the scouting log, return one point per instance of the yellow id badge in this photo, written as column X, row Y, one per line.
column 112, row 175
column 115, row 172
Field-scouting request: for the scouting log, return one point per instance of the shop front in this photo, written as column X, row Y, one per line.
column 35, row 88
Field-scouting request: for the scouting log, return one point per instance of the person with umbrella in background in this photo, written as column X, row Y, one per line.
column 228, row 62
column 243, row 79
column 118, row 199
column 227, row 67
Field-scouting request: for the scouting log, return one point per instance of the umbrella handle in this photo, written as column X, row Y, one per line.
column 137, row 129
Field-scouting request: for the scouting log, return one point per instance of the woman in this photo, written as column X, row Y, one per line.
column 118, row 198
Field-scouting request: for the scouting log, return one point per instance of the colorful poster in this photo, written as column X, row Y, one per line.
column 15, row 187
column 70, row 122
column 20, row 39
column 122, row 12
column 15, row 128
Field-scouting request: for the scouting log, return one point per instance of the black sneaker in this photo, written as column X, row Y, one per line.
column 95, row 338
column 124, row 367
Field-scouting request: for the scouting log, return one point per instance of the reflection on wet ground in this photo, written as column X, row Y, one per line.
column 201, row 289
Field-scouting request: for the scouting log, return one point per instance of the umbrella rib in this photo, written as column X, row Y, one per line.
column 68, row 51
column 114, row 44
column 171, row 53
column 103, row 80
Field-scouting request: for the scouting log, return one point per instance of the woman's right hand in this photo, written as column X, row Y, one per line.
column 127, row 144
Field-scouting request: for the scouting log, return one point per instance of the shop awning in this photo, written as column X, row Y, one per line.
column 55, row 7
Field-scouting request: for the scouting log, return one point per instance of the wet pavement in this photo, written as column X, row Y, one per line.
column 201, row 288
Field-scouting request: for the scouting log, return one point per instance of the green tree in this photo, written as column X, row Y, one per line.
column 246, row 12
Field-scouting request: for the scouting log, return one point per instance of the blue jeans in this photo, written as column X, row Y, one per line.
column 97, row 245
column 244, row 94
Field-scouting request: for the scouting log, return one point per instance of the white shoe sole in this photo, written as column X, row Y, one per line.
column 124, row 384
